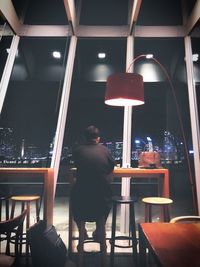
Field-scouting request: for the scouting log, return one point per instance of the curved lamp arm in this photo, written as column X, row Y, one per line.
column 179, row 118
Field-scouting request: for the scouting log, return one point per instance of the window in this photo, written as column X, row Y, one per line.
column 32, row 102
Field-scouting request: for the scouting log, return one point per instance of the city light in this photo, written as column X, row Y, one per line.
column 170, row 149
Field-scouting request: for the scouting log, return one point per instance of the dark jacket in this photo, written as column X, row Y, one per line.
column 91, row 194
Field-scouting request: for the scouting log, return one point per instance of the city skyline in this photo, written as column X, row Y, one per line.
column 171, row 149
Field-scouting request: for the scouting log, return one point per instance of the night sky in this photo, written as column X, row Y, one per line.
column 32, row 101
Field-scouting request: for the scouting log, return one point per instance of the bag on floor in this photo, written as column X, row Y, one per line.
column 47, row 247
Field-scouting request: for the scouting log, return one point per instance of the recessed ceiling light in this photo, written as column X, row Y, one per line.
column 101, row 55
column 56, row 54
column 149, row 55
column 195, row 57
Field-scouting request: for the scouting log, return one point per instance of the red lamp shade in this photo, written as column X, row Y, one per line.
column 124, row 89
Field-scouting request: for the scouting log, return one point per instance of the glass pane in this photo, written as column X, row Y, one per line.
column 29, row 115
column 169, row 13
column 104, row 12
column 44, row 12
column 20, row 8
column 196, row 65
column 157, row 123
column 1, row 22
column 5, row 42
column 86, row 103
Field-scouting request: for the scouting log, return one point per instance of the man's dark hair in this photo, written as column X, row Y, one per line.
column 91, row 133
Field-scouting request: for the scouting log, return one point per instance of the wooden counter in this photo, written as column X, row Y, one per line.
column 171, row 244
column 28, row 173
column 161, row 174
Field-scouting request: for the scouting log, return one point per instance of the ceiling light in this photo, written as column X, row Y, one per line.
column 101, row 55
column 56, row 54
column 149, row 55
column 195, row 57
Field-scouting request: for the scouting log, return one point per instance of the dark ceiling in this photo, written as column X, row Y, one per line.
column 105, row 12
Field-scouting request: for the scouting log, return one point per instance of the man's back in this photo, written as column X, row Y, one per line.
column 93, row 161
column 91, row 194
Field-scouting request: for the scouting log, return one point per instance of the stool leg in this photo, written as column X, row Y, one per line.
column 166, row 215
column 114, row 217
column 7, row 209
column 133, row 233
column 27, row 226
column 12, row 209
column 28, row 215
column 37, row 210
column 81, row 243
column 148, row 213
column 70, row 232
column 0, row 210
column 101, row 227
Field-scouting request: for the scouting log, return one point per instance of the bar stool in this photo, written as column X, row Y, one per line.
column 119, row 201
column 102, row 241
column 162, row 202
column 4, row 200
column 25, row 204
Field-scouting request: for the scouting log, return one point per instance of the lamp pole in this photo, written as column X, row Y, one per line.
column 126, row 153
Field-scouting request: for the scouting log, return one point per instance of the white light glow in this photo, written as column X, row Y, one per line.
column 8, row 51
column 195, row 57
column 150, row 72
column 56, row 54
column 122, row 102
column 99, row 72
column 101, row 55
column 149, row 56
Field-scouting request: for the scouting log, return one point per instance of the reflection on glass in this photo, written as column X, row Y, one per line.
column 45, row 12
column 169, row 13
column 104, row 12
column 5, row 42
column 196, row 63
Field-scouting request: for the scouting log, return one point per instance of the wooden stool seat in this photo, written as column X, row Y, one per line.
column 5, row 200
column 186, row 219
column 25, row 201
column 25, row 198
column 159, row 201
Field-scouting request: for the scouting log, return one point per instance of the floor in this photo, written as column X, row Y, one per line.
column 181, row 206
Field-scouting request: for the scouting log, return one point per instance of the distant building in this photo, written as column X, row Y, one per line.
column 118, row 150
column 7, row 146
column 169, row 147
